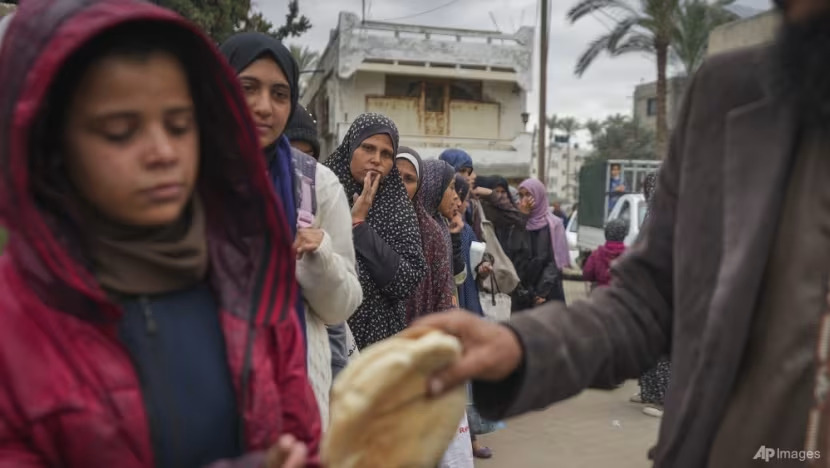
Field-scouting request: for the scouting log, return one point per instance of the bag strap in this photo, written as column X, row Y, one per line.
column 305, row 192
column 493, row 286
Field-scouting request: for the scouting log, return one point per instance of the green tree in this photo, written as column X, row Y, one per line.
column 295, row 23
column 695, row 21
column 222, row 18
column 594, row 128
column 621, row 137
column 642, row 26
column 569, row 126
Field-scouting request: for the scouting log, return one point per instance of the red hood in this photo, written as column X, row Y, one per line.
column 611, row 250
column 235, row 189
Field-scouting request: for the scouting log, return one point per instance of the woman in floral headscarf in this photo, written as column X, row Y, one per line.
column 387, row 241
column 435, row 293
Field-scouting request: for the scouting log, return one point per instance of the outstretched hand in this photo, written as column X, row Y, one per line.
column 491, row 351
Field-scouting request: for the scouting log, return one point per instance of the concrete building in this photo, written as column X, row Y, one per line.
column 745, row 32
column 443, row 87
column 645, row 101
column 563, row 172
column 752, row 27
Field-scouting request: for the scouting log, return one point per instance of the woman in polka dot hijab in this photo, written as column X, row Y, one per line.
column 390, row 259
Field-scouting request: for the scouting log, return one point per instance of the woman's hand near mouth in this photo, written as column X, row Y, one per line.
column 363, row 202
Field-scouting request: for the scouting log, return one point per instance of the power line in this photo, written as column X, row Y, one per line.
column 421, row 13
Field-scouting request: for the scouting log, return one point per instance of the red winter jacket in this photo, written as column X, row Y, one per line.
column 69, row 394
column 598, row 266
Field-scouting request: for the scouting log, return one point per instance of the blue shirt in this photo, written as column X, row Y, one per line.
column 177, row 347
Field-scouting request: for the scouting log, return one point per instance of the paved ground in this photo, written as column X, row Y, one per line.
column 593, row 430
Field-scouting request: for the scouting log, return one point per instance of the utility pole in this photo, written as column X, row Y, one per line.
column 543, row 89
column 363, row 18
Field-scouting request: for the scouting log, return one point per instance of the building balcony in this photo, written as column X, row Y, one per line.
column 509, row 158
column 433, row 51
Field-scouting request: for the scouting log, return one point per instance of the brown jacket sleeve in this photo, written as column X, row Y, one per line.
column 618, row 334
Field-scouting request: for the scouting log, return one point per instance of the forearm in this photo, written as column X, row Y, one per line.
column 380, row 259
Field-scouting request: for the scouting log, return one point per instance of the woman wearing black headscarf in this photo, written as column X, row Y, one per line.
column 389, row 256
column 245, row 53
column 320, row 220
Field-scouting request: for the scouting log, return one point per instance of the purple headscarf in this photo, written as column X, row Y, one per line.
column 541, row 216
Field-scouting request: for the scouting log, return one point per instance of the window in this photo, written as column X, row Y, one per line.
column 434, row 99
column 403, row 86
column 465, row 90
column 651, row 107
column 410, row 86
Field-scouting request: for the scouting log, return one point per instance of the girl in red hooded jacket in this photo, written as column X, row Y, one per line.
column 147, row 290
column 598, row 266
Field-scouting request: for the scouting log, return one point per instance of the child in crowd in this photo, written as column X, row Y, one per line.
column 598, row 266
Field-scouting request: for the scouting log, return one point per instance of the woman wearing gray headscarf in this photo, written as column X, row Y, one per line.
column 389, row 256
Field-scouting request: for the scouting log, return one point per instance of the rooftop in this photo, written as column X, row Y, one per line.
column 361, row 44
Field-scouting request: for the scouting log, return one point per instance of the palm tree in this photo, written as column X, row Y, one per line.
column 648, row 27
column 306, row 61
column 695, row 21
column 594, row 127
column 305, row 57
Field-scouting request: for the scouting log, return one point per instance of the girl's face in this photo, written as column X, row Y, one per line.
column 132, row 140
column 501, row 192
column 409, row 176
column 449, row 204
column 268, row 95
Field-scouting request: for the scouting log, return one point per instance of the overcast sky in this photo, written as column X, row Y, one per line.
column 606, row 88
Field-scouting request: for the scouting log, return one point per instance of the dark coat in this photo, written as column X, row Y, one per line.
column 690, row 284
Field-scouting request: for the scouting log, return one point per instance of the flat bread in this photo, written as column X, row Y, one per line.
column 380, row 414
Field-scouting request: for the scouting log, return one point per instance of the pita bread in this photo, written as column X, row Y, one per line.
column 380, row 414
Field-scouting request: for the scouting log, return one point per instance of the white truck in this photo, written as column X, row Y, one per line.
column 611, row 190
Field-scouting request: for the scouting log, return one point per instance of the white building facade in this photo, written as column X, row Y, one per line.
column 563, row 165
column 443, row 87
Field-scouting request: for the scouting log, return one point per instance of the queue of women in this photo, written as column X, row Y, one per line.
column 181, row 285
